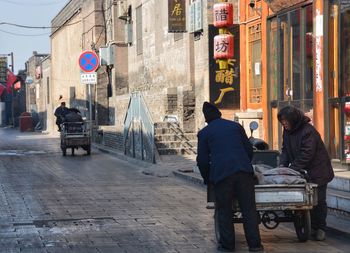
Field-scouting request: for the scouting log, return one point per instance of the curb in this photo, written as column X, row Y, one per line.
column 121, row 156
column 191, row 177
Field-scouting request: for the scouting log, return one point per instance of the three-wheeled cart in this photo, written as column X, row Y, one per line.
column 276, row 203
column 75, row 135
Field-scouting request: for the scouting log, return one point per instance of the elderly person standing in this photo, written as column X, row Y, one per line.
column 303, row 149
column 224, row 159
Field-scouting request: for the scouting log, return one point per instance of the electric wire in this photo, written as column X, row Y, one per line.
column 31, row 4
column 37, row 27
column 25, row 35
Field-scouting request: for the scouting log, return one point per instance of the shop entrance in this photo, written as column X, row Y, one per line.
column 290, row 62
column 339, row 81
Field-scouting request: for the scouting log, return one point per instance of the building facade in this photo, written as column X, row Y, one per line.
column 34, row 98
column 285, row 53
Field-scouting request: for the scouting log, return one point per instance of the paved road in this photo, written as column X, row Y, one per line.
column 99, row 203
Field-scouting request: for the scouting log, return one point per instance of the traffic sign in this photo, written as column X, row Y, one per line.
column 89, row 61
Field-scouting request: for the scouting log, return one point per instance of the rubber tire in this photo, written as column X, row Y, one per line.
column 72, row 151
column 302, row 225
column 64, row 151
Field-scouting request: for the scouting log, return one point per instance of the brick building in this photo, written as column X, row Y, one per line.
column 284, row 53
column 35, row 101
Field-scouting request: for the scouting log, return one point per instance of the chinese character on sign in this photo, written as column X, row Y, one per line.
column 221, row 15
column 225, row 77
column 177, row 9
column 221, row 46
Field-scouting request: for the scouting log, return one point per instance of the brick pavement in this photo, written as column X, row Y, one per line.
column 51, row 203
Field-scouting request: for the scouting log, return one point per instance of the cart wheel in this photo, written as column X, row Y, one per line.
column 64, row 151
column 216, row 225
column 72, row 151
column 270, row 220
column 302, row 225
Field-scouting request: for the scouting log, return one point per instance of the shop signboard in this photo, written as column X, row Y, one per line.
column 224, row 83
column 176, row 16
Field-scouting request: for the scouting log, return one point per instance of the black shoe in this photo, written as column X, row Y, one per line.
column 257, row 249
column 224, row 249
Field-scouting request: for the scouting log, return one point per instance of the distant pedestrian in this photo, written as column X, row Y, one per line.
column 224, row 158
column 60, row 112
column 303, row 149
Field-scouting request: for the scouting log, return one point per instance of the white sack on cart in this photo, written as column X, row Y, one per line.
column 280, row 175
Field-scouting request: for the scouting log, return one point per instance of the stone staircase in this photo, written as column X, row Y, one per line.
column 338, row 193
column 171, row 140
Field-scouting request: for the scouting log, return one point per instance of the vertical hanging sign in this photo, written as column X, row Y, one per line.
column 318, row 49
column 176, row 16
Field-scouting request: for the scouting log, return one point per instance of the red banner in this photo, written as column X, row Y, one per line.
column 2, row 88
column 11, row 79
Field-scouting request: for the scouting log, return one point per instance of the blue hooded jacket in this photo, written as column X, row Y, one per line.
column 223, row 147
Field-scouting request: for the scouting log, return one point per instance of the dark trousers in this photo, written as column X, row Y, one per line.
column 238, row 186
column 319, row 212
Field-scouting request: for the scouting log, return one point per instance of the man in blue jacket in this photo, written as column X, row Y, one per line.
column 224, row 159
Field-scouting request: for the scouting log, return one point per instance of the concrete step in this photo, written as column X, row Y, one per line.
column 176, row 151
column 341, row 181
column 176, row 144
column 176, row 137
column 338, row 200
column 166, row 124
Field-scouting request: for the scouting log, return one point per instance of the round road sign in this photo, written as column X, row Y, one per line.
column 89, row 61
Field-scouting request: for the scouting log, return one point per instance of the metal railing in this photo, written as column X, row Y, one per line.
column 138, row 112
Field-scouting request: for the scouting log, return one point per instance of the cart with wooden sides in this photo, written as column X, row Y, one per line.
column 276, row 203
column 75, row 135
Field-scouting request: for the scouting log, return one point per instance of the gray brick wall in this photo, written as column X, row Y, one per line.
column 113, row 140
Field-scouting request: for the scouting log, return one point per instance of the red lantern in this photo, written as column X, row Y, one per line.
column 223, row 46
column 223, row 14
column 17, row 85
column 347, row 109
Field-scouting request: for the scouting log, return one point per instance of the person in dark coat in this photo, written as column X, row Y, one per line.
column 303, row 149
column 60, row 113
column 224, row 158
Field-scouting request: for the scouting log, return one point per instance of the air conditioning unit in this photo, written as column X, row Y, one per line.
column 122, row 10
column 128, row 33
column 106, row 56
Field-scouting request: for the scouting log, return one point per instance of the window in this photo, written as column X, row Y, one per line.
column 48, row 89
column 255, row 89
column 309, row 80
column 139, row 43
column 345, row 54
column 272, row 64
column 295, row 56
column 290, row 65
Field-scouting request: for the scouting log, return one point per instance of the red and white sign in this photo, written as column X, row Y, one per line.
column 89, row 61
